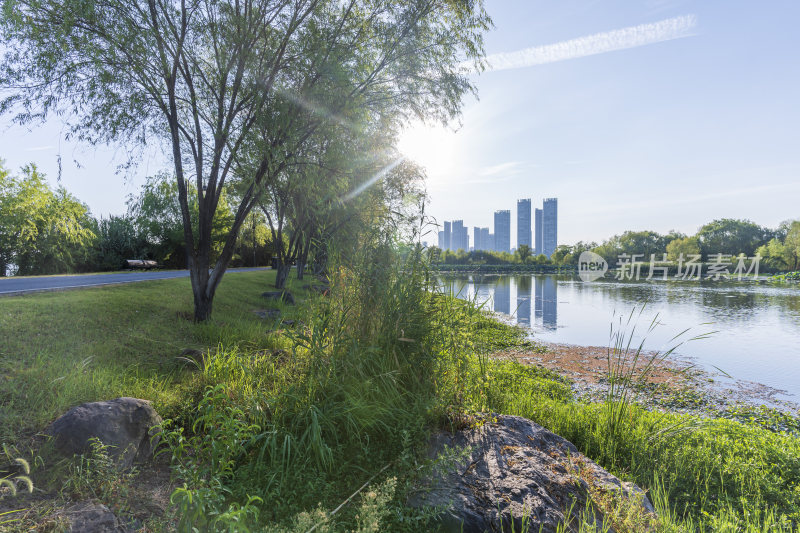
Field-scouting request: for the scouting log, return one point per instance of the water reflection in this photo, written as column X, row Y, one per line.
column 758, row 326
column 524, row 300
column 502, row 295
column 546, row 302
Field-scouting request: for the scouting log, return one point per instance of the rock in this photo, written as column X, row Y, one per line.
column 91, row 517
column 191, row 352
column 283, row 296
column 272, row 314
column 125, row 425
column 492, row 475
column 322, row 289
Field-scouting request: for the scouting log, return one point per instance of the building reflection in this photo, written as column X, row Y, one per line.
column 546, row 301
column 524, row 300
column 502, row 295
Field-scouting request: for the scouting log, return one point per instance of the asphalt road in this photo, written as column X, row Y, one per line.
column 13, row 285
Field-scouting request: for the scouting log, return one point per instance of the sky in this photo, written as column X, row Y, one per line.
column 638, row 115
column 650, row 114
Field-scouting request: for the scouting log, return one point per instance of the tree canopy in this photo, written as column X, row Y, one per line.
column 213, row 79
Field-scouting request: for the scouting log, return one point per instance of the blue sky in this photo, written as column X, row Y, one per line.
column 666, row 135
column 660, row 136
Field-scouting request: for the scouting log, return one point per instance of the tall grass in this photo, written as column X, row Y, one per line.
column 386, row 358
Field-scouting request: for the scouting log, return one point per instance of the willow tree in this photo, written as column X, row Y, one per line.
column 203, row 77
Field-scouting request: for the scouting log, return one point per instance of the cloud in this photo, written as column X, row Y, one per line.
column 511, row 167
column 599, row 43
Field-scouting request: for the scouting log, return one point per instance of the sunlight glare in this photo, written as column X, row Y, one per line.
column 432, row 147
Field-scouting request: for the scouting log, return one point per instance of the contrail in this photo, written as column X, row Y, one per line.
column 599, row 43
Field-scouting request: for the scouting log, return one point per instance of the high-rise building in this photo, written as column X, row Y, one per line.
column 447, row 236
column 441, row 240
column 524, row 223
column 549, row 226
column 487, row 239
column 537, row 228
column 502, row 230
column 476, row 238
column 459, row 238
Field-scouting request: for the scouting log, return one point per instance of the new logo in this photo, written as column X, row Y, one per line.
column 591, row 266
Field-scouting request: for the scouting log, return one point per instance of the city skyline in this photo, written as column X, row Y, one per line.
column 454, row 234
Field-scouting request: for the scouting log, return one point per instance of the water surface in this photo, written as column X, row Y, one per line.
column 756, row 326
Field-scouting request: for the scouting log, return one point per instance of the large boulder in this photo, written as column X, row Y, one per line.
column 92, row 517
column 280, row 296
column 489, row 477
column 127, row 426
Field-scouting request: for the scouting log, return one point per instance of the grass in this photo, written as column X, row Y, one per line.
column 61, row 349
column 273, row 429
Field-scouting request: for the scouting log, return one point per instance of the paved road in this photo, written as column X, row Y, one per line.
column 47, row 283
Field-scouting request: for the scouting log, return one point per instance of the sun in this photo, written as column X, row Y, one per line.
column 432, row 147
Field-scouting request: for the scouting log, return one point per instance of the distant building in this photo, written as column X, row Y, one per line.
column 502, row 230
column 487, row 239
column 476, row 238
column 549, row 226
column 524, row 222
column 490, row 242
column 537, row 249
column 441, row 240
column 459, row 239
column 447, row 236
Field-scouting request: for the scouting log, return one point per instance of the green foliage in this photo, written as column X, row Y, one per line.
column 95, row 475
column 156, row 213
column 117, row 240
column 10, row 482
column 731, row 236
column 41, row 231
column 205, row 461
column 687, row 246
column 783, row 254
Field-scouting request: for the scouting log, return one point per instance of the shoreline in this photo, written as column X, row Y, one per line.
column 674, row 383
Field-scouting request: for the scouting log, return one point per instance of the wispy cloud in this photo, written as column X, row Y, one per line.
column 599, row 43
column 40, row 148
column 508, row 168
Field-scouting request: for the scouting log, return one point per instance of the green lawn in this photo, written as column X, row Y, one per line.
column 60, row 349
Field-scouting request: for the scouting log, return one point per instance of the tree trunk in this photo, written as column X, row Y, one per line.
column 301, row 267
column 282, row 275
column 203, row 297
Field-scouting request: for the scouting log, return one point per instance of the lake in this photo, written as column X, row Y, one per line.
column 756, row 326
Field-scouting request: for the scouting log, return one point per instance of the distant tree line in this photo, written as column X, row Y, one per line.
column 50, row 231
column 779, row 248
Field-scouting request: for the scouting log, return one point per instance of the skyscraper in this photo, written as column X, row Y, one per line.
column 459, row 240
column 537, row 249
column 502, row 230
column 476, row 238
column 487, row 240
column 549, row 226
column 441, row 240
column 446, row 235
column 524, row 222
